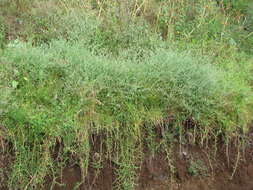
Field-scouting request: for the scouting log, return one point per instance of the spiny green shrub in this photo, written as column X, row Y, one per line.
column 62, row 92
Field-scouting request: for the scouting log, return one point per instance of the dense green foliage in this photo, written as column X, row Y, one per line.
column 119, row 73
column 63, row 91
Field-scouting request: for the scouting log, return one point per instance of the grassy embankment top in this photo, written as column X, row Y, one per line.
column 78, row 69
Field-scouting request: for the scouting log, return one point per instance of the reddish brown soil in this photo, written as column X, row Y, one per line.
column 4, row 168
column 155, row 174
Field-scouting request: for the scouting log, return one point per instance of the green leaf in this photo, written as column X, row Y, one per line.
column 14, row 84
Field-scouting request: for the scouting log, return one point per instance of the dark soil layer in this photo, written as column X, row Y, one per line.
column 195, row 169
column 155, row 174
column 4, row 168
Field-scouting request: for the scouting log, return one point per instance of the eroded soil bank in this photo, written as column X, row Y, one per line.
column 155, row 174
column 193, row 168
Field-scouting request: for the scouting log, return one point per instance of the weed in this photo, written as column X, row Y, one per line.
column 197, row 168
